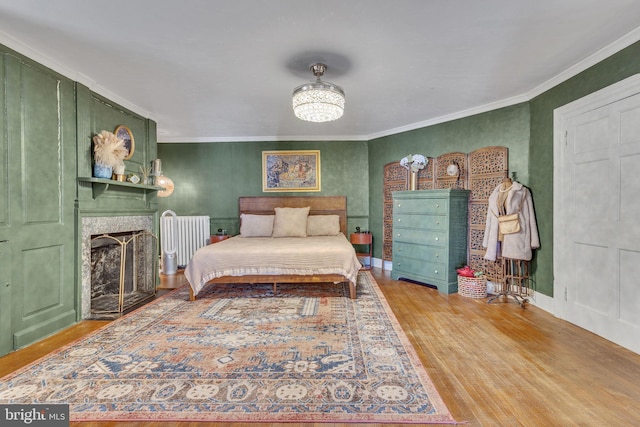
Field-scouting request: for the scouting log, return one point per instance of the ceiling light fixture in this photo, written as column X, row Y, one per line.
column 319, row 101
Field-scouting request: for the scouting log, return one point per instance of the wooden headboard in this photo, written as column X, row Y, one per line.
column 320, row 205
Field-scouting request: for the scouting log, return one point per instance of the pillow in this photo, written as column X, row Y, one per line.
column 323, row 225
column 290, row 222
column 256, row 225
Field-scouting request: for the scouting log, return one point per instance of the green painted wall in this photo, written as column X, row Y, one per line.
column 96, row 113
column 37, row 149
column 210, row 177
column 507, row 127
column 615, row 68
column 48, row 119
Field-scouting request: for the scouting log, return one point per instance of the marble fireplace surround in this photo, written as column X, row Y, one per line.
column 92, row 226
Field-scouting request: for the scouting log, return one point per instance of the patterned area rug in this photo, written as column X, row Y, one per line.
column 239, row 353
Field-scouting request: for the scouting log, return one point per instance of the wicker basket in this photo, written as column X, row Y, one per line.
column 472, row 287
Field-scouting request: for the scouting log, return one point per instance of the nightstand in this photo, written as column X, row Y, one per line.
column 363, row 239
column 215, row 238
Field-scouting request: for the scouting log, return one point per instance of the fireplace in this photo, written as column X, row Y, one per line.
column 139, row 276
column 123, row 267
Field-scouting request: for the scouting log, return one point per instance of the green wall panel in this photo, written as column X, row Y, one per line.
column 209, row 177
column 35, row 296
column 95, row 114
column 507, row 127
column 6, row 329
column 42, row 145
column 39, row 145
column 4, row 158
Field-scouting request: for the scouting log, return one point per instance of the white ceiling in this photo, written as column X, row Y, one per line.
column 212, row 70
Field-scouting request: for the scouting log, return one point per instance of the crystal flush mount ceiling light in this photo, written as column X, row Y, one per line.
column 319, row 101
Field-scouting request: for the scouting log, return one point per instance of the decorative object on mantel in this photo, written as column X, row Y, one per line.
column 156, row 169
column 145, row 171
column 109, row 152
column 320, row 101
column 118, row 173
column 413, row 163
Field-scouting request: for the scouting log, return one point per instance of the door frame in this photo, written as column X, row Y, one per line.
column 561, row 116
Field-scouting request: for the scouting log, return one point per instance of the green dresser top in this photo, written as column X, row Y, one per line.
column 431, row 194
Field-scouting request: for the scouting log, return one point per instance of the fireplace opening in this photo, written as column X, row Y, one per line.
column 124, row 270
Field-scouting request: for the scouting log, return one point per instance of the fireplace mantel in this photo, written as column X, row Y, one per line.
column 100, row 185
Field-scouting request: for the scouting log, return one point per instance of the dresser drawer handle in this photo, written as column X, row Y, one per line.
column 438, row 222
column 437, row 206
column 437, row 255
column 437, row 238
column 399, row 205
column 398, row 235
column 399, row 220
column 435, row 271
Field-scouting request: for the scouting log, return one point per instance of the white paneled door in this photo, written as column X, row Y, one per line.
column 597, row 213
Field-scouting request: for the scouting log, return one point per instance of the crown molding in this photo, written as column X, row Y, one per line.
column 604, row 53
column 284, row 138
column 600, row 55
column 450, row 117
column 39, row 57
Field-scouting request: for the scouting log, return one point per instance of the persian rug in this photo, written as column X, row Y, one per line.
column 239, row 353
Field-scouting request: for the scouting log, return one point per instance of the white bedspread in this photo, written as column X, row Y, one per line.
column 241, row 256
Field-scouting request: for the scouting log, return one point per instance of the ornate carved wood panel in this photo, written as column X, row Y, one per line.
column 443, row 180
column 425, row 176
column 487, row 168
column 480, row 171
column 395, row 179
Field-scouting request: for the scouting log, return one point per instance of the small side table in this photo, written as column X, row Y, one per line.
column 215, row 238
column 363, row 239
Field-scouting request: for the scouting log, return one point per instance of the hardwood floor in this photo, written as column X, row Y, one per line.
column 493, row 364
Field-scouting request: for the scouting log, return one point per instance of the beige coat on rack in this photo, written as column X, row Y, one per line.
column 517, row 245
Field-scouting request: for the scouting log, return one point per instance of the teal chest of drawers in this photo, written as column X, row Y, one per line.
column 430, row 236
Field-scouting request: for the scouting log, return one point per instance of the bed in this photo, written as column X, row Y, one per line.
column 284, row 254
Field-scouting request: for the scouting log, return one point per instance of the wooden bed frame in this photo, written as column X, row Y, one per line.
column 264, row 205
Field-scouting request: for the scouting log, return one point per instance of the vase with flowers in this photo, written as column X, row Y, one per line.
column 414, row 163
column 109, row 152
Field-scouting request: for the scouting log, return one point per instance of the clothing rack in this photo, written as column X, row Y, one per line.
column 515, row 281
column 515, row 272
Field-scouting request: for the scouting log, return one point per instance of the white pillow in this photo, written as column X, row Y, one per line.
column 290, row 222
column 323, row 225
column 256, row 225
